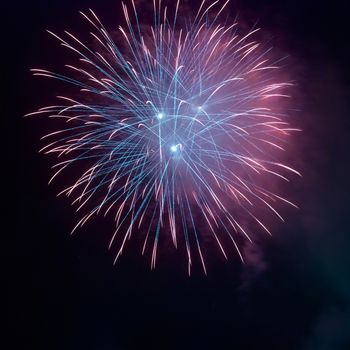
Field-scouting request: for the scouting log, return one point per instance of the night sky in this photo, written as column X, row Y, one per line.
column 63, row 292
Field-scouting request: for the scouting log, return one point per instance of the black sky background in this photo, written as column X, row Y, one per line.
column 62, row 291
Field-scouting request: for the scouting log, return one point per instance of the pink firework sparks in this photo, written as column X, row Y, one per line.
column 175, row 131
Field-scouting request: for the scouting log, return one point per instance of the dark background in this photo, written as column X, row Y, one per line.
column 63, row 291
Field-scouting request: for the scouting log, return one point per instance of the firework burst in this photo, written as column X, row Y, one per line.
column 174, row 130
